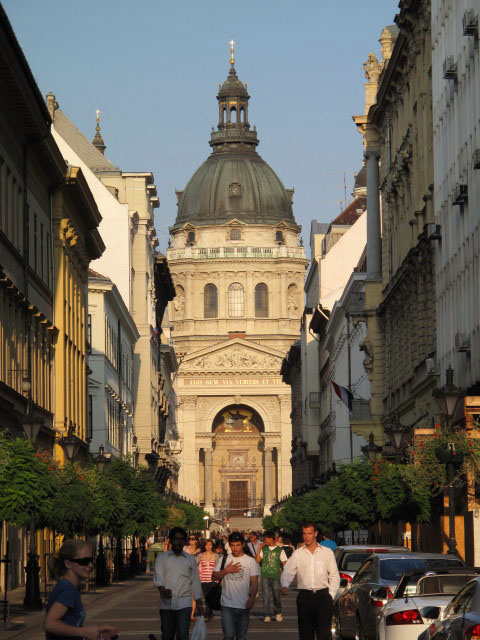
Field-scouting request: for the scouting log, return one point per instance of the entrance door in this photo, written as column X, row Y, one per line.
column 238, row 497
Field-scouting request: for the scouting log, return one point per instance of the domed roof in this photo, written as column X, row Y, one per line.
column 234, row 185
column 234, row 182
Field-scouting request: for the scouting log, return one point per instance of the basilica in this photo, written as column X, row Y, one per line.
column 238, row 267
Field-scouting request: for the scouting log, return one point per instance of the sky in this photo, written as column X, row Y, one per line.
column 152, row 67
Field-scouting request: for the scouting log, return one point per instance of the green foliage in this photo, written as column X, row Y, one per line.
column 193, row 515
column 176, row 517
column 28, row 481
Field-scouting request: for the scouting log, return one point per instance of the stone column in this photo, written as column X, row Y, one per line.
column 374, row 240
column 209, row 481
column 267, row 479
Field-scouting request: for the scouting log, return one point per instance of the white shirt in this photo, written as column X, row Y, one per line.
column 317, row 570
column 180, row 574
column 236, row 586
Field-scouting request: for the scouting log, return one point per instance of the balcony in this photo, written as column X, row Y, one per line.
column 314, row 401
column 255, row 253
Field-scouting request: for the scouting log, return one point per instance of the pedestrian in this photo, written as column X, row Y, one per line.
column 207, row 560
column 239, row 588
column 176, row 577
column 65, row 613
column 317, row 581
column 253, row 543
column 283, row 540
column 272, row 559
column 193, row 546
column 328, row 542
column 220, row 547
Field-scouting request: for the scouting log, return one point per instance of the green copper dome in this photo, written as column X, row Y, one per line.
column 234, row 182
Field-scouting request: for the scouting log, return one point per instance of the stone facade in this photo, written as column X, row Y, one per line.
column 238, row 272
column 400, row 287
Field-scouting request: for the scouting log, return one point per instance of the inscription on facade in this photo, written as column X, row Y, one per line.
column 225, row 382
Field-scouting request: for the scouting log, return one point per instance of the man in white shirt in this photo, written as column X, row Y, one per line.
column 239, row 588
column 176, row 577
column 317, row 580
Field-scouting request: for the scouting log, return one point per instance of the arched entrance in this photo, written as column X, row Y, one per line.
column 238, row 462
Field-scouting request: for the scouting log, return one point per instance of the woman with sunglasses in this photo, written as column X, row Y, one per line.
column 65, row 615
column 193, row 546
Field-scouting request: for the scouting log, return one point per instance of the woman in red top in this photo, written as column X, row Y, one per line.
column 206, row 564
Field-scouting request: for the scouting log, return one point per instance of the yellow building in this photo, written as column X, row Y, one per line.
column 76, row 242
column 400, row 289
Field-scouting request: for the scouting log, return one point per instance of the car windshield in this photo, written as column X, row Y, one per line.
column 392, row 569
column 448, row 584
column 353, row 560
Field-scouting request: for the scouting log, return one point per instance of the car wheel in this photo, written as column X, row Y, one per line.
column 336, row 628
column 359, row 632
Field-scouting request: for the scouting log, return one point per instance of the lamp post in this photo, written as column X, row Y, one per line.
column 31, row 426
column 70, row 443
column 101, row 461
column 371, row 450
column 397, row 433
column 450, row 399
column 207, row 532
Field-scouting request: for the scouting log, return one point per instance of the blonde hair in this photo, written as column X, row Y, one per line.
column 68, row 551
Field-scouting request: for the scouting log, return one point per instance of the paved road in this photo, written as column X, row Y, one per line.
column 134, row 610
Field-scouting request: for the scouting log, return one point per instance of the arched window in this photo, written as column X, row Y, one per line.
column 236, row 300
column 233, row 114
column 279, row 237
column 210, row 301
column 242, row 115
column 261, row 300
column 191, row 237
column 235, row 234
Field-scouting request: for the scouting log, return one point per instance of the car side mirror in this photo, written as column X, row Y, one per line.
column 432, row 613
column 379, row 592
column 344, row 583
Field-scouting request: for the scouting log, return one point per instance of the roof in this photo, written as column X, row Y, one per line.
column 234, row 185
column 82, row 146
column 317, row 228
column 361, row 178
column 352, row 213
column 95, row 274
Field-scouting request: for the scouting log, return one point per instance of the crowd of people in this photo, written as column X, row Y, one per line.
column 188, row 572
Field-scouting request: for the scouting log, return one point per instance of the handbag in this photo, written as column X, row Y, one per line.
column 214, row 595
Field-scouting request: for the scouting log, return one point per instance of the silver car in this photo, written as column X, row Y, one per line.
column 461, row 618
column 357, row 610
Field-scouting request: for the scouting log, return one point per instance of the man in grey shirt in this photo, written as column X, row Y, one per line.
column 176, row 577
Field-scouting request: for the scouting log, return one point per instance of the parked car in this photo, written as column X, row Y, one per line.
column 357, row 609
column 419, row 599
column 351, row 557
column 461, row 618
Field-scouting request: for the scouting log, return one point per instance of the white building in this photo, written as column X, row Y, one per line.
column 112, row 335
column 456, row 121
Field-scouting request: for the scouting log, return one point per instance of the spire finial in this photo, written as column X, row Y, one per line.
column 232, row 52
column 98, row 140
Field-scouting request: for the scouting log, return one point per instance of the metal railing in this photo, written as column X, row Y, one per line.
column 202, row 253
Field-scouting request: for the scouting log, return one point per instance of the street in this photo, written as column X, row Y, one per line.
column 134, row 611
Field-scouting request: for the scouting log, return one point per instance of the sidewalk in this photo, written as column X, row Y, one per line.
column 25, row 625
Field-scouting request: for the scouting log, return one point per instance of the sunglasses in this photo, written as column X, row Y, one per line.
column 193, row 538
column 83, row 562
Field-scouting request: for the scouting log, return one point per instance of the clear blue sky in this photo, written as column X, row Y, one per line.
column 152, row 67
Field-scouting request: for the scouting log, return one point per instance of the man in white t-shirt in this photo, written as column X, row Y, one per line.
column 239, row 588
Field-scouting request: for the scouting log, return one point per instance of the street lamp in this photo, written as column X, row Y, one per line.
column 207, row 532
column 397, row 433
column 70, row 443
column 450, row 399
column 101, row 461
column 371, row 450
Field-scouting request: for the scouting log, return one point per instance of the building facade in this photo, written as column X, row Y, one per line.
column 402, row 237
column 111, row 337
column 238, row 271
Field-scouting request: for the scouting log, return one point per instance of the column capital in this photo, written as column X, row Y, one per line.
column 372, row 152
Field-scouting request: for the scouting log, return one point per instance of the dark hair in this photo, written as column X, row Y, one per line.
column 286, row 538
column 203, row 546
column 306, row 525
column 68, row 551
column 175, row 530
column 219, row 543
column 247, row 551
column 269, row 534
column 236, row 536
column 253, row 533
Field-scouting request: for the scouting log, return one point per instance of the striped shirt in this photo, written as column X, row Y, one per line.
column 206, row 567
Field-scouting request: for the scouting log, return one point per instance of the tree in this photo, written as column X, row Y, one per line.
column 72, row 506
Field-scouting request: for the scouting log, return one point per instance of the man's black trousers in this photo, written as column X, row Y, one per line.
column 314, row 611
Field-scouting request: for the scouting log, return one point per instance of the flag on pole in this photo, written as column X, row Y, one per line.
column 344, row 394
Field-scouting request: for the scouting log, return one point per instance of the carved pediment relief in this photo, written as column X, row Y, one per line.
column 234, row 357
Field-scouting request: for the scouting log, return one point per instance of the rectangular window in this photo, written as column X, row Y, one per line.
column 35, row 240
column 42, row 251
column 89, row 333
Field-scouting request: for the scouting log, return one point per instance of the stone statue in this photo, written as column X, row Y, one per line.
column 179, row 305
column 373, row 68
column 366, row 347
column 292, row 305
